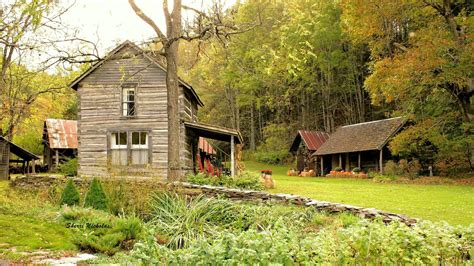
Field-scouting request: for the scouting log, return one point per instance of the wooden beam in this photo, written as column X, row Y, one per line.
column 381, row 161
column 348, row 163
column 358, row 161
column 57, row 158
column 232, row 156
column 33, row 170
column 322, row 166
column 340, row 160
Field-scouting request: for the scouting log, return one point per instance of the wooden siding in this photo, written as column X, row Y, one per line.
column 99, row 103
column 4, row 159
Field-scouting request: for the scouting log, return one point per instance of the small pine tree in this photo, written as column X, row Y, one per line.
column 70, row 195
column 95, row 197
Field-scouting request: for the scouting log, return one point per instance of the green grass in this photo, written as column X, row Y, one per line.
column 451, row 203
column 28, row 223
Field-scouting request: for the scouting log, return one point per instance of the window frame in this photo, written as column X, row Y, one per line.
column 129, row 147
column 125, row 88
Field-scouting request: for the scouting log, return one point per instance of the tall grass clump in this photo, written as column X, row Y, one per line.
column 179, row 220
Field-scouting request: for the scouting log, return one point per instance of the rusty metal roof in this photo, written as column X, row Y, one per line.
column 62, row 134
column 366, row 136
column 205, row 146
column 312, row 139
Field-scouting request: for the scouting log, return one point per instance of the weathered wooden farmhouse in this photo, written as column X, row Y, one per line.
column 26, row 158
column 361, row 145
column 123, row 119
column 306, row 142
column 59, row 141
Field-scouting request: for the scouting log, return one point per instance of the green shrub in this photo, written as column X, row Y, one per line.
column 338, row 169
column 96, row 197
column 248, row 180
column 70, row 195
column 245, row 180
column 356, row 170
column 68, row 167
column 272, row 157
column 392, row 168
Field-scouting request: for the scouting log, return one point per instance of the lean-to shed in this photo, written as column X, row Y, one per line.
column 6, row 149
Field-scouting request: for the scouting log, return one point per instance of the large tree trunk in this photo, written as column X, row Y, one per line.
column 172, row 84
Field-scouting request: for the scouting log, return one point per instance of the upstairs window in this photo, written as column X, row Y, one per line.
column 128, row 101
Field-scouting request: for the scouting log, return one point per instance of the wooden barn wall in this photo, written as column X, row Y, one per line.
column 4, row 159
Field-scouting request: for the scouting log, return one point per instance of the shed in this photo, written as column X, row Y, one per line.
column 306, row 142
column 362, row 145
column 59, row 140
column 6, row 148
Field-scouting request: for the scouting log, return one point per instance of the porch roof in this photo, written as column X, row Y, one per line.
column 19, row 151
column 214, row 132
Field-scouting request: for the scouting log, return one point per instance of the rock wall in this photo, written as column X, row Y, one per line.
column 234, row 194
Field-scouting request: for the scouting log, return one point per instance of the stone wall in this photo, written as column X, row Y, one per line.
column 235, row 194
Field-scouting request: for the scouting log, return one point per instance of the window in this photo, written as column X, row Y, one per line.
column 129, row 148
column 139, row 148
column 118, row 147
column 128, row 101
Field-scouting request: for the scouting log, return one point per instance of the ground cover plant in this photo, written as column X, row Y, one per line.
column 244, row 180
column 214, row 231
column 443, row 202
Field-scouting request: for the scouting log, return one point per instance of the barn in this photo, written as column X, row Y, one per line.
column 304, row 145
column 362, row 145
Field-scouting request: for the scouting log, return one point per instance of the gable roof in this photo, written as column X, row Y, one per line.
column 61, row 134
column 362, row 137
column 127, row 43
column 19, row 151
column 312, row 139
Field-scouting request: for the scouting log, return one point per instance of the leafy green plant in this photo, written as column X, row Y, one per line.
column 68, row 167
column 70, row 195
column 338, row 169
column 356, row 170
column 96, row 197
column 245, row 180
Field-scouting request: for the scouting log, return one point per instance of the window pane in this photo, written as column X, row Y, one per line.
column 123, row 138
column 135, row 138
column 143, row 138
column 131, row 95
column 131, row 108
column 114, row 139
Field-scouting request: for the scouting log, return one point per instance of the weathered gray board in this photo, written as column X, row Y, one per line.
column 4, row 159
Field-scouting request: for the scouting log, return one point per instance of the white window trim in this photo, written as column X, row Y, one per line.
column 140, row 146
column 113, row 140
column 125, row 101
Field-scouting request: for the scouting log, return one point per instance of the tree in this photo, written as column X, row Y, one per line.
column 205, row 26
column 70, row 195
column 96, row 197
column 28, row 50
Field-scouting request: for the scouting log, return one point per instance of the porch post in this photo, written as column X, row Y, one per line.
column 348, row 163
column 57, row 158
column 358, row 162
column 232, row 156
column 27, row 167
column 340, row 160
column 33, row 170
column 381, row 161
column 322, row 166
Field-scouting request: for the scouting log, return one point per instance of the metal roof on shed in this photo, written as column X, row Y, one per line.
column 62, row 134
column 312, row 139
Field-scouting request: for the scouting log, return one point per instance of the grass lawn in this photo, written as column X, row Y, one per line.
column 28, row 224
column 451, row 203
